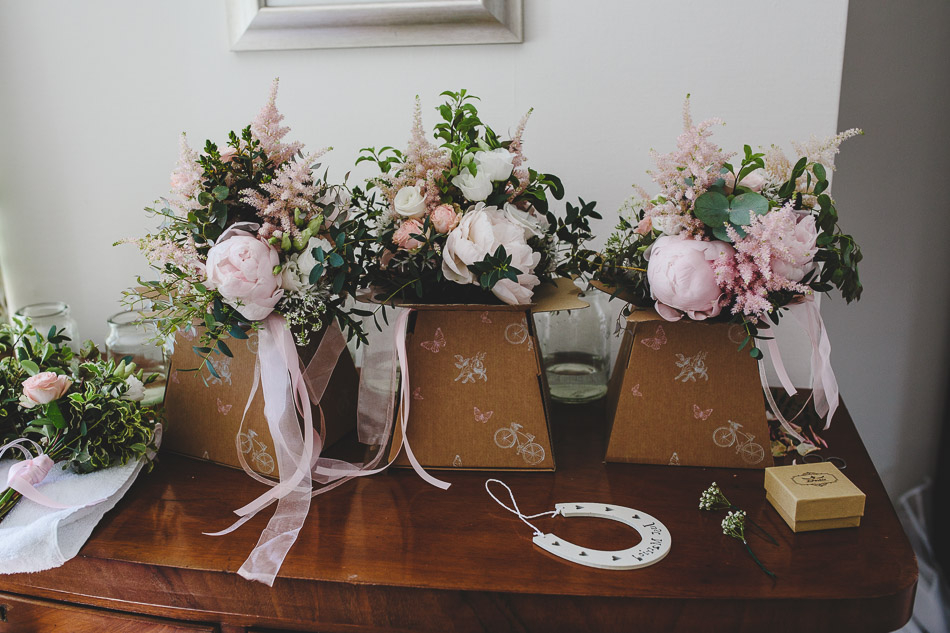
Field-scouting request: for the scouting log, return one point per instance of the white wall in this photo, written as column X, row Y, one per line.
column 890, row 350
column 95, row 92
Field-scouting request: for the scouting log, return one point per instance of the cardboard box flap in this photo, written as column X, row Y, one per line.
column 814, row 524
column 562, row 295
column 815, row 491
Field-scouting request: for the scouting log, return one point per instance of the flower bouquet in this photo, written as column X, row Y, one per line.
column 738, row 240
column 83, row 412
column 256, row 246
column 462, row 219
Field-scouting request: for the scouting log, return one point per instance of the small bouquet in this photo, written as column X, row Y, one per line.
column 747, row 240
column 83, row 411
column 743, row 239
column 250, row 230
column 466, row 217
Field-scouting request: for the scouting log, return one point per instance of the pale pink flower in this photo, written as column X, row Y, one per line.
column 444, row 218
column 644, row 226
column 186, row 178
column 479, row 234
column 241, row 268
column 680, row 272
column 403, row 237
column 228, row 154
column 43, row 388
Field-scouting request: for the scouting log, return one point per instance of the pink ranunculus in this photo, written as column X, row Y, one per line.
column 482, row 230
column 403, row 235
column 43, row 388
column 680, row 272
column 241, row 268
column 228, row 154
column 444, row 218
column 800, row 243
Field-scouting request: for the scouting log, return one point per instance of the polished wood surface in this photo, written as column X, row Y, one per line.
column 391, row 553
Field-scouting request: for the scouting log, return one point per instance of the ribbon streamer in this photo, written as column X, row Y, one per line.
column 24, row 476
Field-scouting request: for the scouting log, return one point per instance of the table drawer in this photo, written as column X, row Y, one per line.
column 26, row 615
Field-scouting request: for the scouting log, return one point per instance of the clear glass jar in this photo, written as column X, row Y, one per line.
column 133, row 336
column 52, row 314
column 575, row 346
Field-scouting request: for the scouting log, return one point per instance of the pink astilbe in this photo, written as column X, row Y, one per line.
column 748, row 277
column 161, row 251
column 292, row 188
column 696, row 158
column 267, row 129
column 825, row 150
column 423, row 167
column 518, row 159
column 186, row 179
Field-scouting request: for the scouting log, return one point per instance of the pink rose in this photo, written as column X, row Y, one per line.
column 241, row 268
column 798, row 258
column 44, row 388
column 681, row 277
column 481, row 231
column 403, row 235
column 644, row 226
column 444, row 218
column 228, row 154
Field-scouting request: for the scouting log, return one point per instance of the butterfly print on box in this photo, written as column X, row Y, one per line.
column 635, row 390
column 416, row 395
column 482, row 417
column 436, row 344
column 223, row 409
column 701, row 414
column 658, row 340
column 485, row 317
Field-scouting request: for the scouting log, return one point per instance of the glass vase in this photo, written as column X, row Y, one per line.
column 134, row 337
column 52, row 314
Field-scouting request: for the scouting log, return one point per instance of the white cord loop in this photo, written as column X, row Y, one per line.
column 514, row 506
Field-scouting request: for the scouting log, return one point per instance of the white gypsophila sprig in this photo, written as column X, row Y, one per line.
column 734, row 524
column 713, row 499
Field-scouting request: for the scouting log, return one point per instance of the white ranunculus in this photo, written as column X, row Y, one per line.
column 475, row 188
column 532, row 224
column 479, row 234
column 295, row 275
column 668, row 224
column 136, row 390
column 496, row 164
column 410, row 203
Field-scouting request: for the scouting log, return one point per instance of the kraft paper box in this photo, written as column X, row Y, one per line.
column 479, row 393
column 683, row 394
column 204, row 421
column 814, row 496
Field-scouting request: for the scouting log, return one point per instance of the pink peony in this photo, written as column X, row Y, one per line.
column 44, row 388
column 403, row 235
column 681, row 277
column 481, row 231
column 241, row 268
column 754, row 180
column 796, row 251
column 444, row 218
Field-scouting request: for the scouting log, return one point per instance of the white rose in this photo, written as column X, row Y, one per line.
column 495, row 164
column 475, row 188
column 668, row 224
column 295, row 275
column 531, row 223
column 135, row 391
column 410, row 203
column 479, row 234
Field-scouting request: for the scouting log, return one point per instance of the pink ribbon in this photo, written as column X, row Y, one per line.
column 824, row 384
column 288, row 391
column 24, row 476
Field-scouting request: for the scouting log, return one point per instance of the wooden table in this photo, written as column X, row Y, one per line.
column 392, row 553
